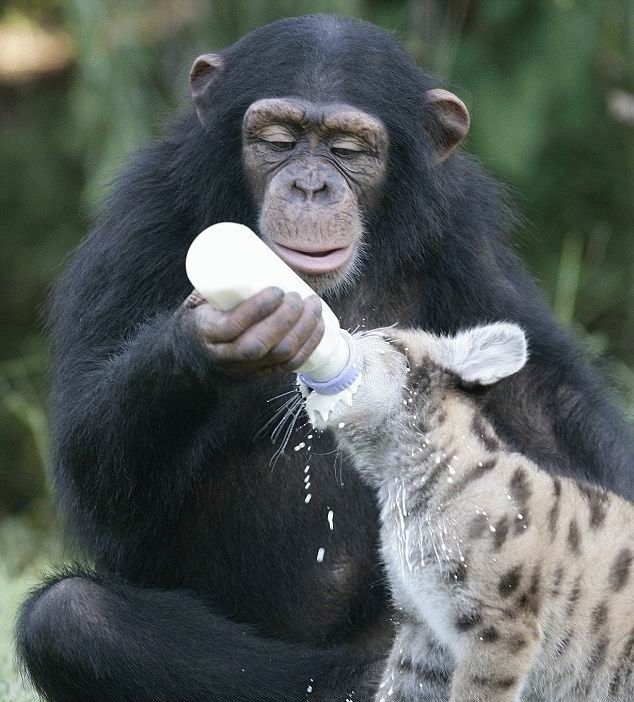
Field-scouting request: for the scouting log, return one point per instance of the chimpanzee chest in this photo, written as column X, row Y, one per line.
column 288, row 544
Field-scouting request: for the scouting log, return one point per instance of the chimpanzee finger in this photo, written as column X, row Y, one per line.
column 254, row 344
column 193, row 300
column 309, row 346
column 223, row 327
column 291, row 344
column 257, row 342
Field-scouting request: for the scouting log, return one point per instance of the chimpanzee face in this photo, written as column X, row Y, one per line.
column 314, row 170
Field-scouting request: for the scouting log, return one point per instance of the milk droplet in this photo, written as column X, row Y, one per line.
column 299, row 446
column 491, row 527
column 320, row 555
column 520, row 516
column 309, row 688
column 341, row 425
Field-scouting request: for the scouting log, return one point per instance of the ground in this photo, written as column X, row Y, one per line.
column 24, row 555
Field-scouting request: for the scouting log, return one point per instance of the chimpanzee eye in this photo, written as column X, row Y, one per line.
column 281, row 145
column 277, row 137
column 347, row 146
column 339, row 151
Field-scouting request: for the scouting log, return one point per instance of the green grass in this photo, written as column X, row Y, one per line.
column 12, row 592
column 24, row 555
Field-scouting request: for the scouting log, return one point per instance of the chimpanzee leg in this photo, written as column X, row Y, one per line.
column 88, row 637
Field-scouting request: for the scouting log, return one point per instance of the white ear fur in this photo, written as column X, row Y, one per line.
column 484, row 355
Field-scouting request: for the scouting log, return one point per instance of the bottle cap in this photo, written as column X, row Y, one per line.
column 345, row 378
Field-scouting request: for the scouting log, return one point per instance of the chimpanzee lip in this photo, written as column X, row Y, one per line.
column 315, row 261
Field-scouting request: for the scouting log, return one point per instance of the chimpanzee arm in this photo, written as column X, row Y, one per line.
column 129, row 424
column 134, row 385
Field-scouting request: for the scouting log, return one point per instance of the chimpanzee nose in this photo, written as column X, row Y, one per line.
column 310, row 186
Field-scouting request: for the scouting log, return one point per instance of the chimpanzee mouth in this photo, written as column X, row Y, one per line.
column 318, row 261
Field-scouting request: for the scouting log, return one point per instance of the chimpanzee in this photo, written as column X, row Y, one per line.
column 212, row 574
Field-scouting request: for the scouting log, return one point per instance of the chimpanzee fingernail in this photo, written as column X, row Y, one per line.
column 275, row 292
column 193, row 300
column 294, row 299
column 315, row 303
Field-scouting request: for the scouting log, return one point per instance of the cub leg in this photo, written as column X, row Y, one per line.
column 417, row 670
column 493, row 661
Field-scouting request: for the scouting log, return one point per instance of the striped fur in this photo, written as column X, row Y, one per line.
column 511, row 584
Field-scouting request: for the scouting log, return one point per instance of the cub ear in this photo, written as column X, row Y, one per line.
column 486, row 354
column 449, row 121
column 203, row 74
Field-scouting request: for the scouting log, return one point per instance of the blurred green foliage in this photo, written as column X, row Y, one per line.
column 24, row 552
column 550, row 85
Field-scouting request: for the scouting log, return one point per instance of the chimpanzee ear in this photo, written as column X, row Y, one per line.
column 484, row 355
column 449, row 121
column 203, row 74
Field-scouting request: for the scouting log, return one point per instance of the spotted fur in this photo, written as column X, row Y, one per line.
column 511, row 584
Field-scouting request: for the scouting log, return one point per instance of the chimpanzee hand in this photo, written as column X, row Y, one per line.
column 270, row 331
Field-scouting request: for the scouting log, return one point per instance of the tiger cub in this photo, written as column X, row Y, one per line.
column 510, row 584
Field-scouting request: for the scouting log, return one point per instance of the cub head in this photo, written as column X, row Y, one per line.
column 482, row 355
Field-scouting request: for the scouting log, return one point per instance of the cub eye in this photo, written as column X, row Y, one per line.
column 347, row 146
column 277, row 137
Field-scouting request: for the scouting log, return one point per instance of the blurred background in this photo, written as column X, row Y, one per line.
column 550, row 87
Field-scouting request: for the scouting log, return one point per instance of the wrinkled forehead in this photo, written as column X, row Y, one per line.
column 303, row 113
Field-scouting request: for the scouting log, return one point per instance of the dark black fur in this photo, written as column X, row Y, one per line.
column 192, row 533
